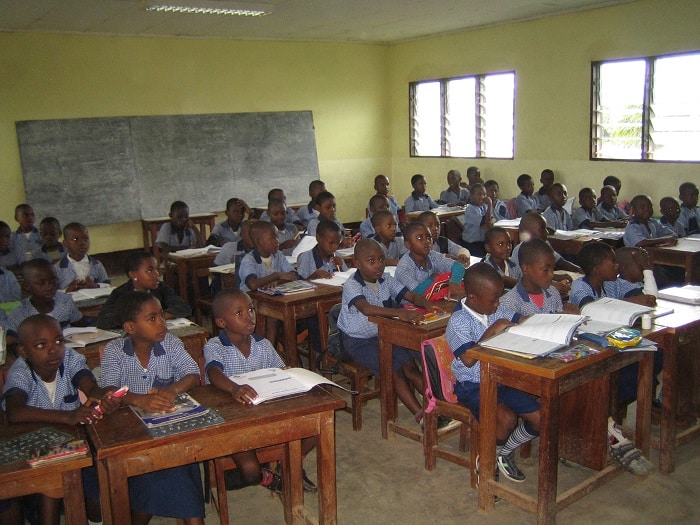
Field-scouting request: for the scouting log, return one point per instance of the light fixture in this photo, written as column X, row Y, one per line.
column 207, row 7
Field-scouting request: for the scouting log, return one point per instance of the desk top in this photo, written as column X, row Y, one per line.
column 322, row 291
column 443, row 212
column 193, row 216
column 683, row 316
column 683, row 246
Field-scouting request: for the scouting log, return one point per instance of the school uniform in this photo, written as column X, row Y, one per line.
column 359, row 335
column 393, row 208
column 511, row 268
column 473, row 218
column 396, row 248
column 9, row 287
column 611, row 214
column 168, row 236
column 221, row 353
column 225, row 233
column 64, row 311
column 290, row 216
column 582, row 218
column 411, row 275
column 558, row 219
column 306, row 213
column 499, row 211
column 289, row 233
column 543, row 199
column 515, row 256
column 231, row 253
column 449, row 197
column 416, row 202
column 253, row 267
column 523, row 203
column 690, row 219
column 366, row 228
column 518, row 299
column 310, row 261
column 67, row 270
column 11, row 257
column 4, row 321
column 636, row 232
column 313, row 224
column 174, row 492
column 677, row 228
column 27, row 242
column 50, row 255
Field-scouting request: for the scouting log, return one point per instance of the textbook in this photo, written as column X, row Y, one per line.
column 288, row 288
column 80, row 337
column 537, row 336
column 607, row 314
column 274, row 383
column 688, row 294
column 185, row 407
column 337, row 279
column 61, row 452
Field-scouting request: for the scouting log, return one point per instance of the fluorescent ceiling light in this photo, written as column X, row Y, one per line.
column 207, row 7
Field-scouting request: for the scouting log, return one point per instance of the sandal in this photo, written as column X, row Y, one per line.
column 631, row 459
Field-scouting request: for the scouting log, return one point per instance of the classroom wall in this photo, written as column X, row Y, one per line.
column 552, row 60
column 68, row 76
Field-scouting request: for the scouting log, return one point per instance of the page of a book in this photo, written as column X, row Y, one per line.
column 290, row 287
column 337, row 279
column 92, row 293
column 306, row 243
column 61, row 452
column 223, row 268
column 80, row 337
column 184, row 407
column 195, row 252
column 688, row 294
column 611, row 310
column 178, row 322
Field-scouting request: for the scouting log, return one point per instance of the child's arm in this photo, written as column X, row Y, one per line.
column 260, row 282
column 368, row 309
column 161, row 399
column 661, row 241
column 509, row 282
column 18, row 411
column 422, row 302
column 199, row 240
column 243, row 394
column 501, row 325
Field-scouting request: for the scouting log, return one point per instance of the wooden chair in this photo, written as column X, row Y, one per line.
column 453, row 229
column 201, row 302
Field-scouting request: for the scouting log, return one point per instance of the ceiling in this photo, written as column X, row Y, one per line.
column 368, row 21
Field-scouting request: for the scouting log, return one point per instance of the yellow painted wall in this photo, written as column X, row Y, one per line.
column 67, row 76
column 552, row 60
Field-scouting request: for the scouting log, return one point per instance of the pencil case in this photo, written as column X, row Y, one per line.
column 624, row 337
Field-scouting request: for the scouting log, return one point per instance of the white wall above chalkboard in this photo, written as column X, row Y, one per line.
column 119, row 169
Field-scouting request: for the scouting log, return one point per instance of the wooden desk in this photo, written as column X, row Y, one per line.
column 289, row 309
column 573, row 246
column 124, row 448
column 443, row 213
column 91, row 307
column 58, row 480
column 681, row 377
column 204, row 222
column 551, row 379
column 395, row 332
column 686, row 254
column 181, row 267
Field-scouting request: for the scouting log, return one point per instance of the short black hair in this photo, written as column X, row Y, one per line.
column 257, row 227
column 592, row 254
column 221, row 299
column 522, row 179
column 130, row 304
column 323, row 197
column 73, row 226
column 471, row 170
column 612, row 180
column 35, row 264
column 271, row 193
column 178, row 205
column 325, row 226
column 276, row 203
column 29, row 324
column 232, row 202
column 688, row 186
column 380, row 176
column 379, row 216
column 134, row 260
column 493, row 231
column 22, row 207
column 638, row 198
column 583, row 193
column 411, row 228
column 555, row 186
column 489, row 183
column 314, row 184
column 416, row 178
column 4, row 225
column 477, row 273
column 425, row 216
column 50, row 220
column 378, row 198
column 531, row 251
column 366, row 244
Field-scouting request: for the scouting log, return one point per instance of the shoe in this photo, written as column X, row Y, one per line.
column 445, row 423
column 496, row 474
column 309, row 486
column 631, row 459
column 510, row 470
column 276, row 484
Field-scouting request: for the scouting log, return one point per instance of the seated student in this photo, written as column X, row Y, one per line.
column 376, row 204
column 42, row 387
column 587, row 215
column 51, row 249
column 321, row 261
column 308, row 212
column 381, row 186
column 141, row 268
column 616, row 183
column 155, row 366
column 418, row 200
column 287, row 234
column 27, row 237
column 385, row 234
column 479, row 317
column 498, row 249
column 425, row 271
column 368, row 292
column 608, row 205
column 542, row 195
column 636, row 282
column 290, row 214
column 670, row 211
column 76, row 269
column 556, row 216
column 325, row 204
column 690, row 212
column 232, row 253
column 477, row 219
column 11, row 255
column 525, row 201
column 9, row 287
column 473, row 175
column 644, row 231
column 237, row 350
column 442, row 244
column 180, row 232
column 499, row 210
column 454, row 195
column 230, row 229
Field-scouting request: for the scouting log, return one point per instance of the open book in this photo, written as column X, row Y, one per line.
column 337, row 279
column 185, row 407
column 607, row 314
column 682, row 294
column 273, row 383
column 80, row 337
column 288, row 288
column 537, row 336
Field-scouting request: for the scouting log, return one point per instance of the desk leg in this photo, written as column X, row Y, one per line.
column 73, row 497
column 294, row 511
column 389, row 407
column 118, row 494
column 487, row 436
column 669, row 407
column 105, row 498
column 182, row 275
column 290, row 339
column 549, row 454
column 644, row 385
column 325, row 470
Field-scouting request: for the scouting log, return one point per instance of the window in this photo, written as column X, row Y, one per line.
column 463, row 117
column 646, row 109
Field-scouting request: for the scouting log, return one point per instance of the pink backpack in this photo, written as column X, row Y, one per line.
column 437, row 369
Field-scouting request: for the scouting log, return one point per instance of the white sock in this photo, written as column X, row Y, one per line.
column 615, row 435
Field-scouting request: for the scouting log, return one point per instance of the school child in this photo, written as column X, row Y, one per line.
column 11, row 255
column 454, row 195
column 42, row 387
column 372, row 292
column 418, row 200
column 141, row 269
column 76, row 269
column 690, row 212
column 232, row 253
column 180, row 232
column 473, row 175
column 277, row 194
column 230, row 229
column 376, row 204
column 26, row 237
column 542, row 195
column 9, row 287
column 588, row 215
column 525, row 201
column 381, row 186
column 442, row 244
column 385, row 234
column 156, row 367
column 556, row 216
column 425, row 271
column 636, row 278
column 498, row 249
column 51, row 249
column 477, row 219
column 616, row 183
column 287, row 234
column 499, row 210
column 41, row 284
column 644, row 231
column 670, row 211
column 237, row 350
column 321, row 261
column 325, row 204
column 308, row 212
column 478, row 317
column 608, row 205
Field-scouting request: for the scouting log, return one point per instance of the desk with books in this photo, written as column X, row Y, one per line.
column 124, row 448
column 204, row 222
column 180, row 267
column 686, row 255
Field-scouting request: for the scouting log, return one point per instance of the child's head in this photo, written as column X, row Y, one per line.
column 608, row 195
column 613, row 181
column 688, row 194
column 417, row 239
column 24, row 215
column 39, row 279
column 597, row 259
column 418, row 183
column 233, row 312
column 492, row 189
column 316, row 187
column 277, row 211
column 325, row 204
column 384, row 225
column 264, row 237
column 558, row 194
column 477, row 194
column 276, row 193
column 179, row 214
column 642, row 207
column 587, row 198
column 50, row 231
column 42, row 345
column 498, row 243
column 142, row 269
column 5, row 235
column 381, row 184
column 484, row 287
column 670, row 209
column 547, row 178
column 525, row 184
column 454, row 177
column 369, row 259
column 234, row 211
column 430, row 220
column 76, row 240
column 328, row 237
column 632, row 262
column 378, row 203
column 532, row 226
column 537, row 264
column 473, row 175
column 141, row 316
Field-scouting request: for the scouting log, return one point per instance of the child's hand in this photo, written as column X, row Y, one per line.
column 464, row 259
column 338, row 262
column 289, row 243
column 157, row 400
column 562, row 278
column 643, row 259
column 562, row 287
column 410, row 316
column 84, row 414
column 571, row 308
column 347, row 243
column 74, row 286
column 244, row 394
column 110, row 404
column 321, row 274
column 669, row 242
column 89, row 283
column 287, row 276
column 456, row 291
column 496, row 328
